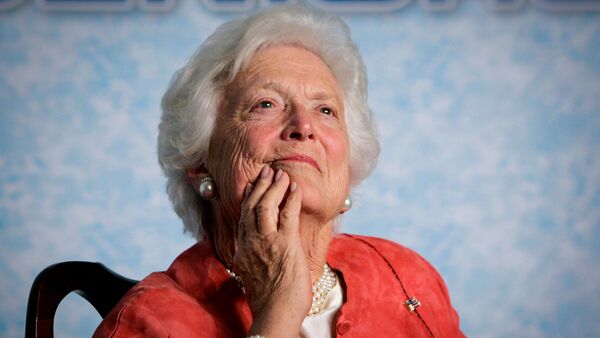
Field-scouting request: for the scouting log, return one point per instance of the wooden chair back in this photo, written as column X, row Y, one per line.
column 100, row 286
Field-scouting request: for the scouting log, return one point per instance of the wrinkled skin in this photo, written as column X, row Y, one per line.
column 279, row 157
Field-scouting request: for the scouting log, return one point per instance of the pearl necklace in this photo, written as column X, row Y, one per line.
column 320, row 288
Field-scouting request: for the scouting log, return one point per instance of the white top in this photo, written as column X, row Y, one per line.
column 321, row 325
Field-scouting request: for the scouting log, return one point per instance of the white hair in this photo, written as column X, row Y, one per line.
column 191, row 102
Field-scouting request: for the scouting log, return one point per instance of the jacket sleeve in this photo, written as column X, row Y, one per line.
column 131, row 321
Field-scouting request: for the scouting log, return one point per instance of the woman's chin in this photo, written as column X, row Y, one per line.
column 314, row 203
column 315, row 198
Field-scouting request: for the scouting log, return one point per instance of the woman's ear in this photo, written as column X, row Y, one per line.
column 194, row 175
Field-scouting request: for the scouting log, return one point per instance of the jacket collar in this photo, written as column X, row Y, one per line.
column 203, row 276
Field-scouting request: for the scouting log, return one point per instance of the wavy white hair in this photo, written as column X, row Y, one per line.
column 191, row 102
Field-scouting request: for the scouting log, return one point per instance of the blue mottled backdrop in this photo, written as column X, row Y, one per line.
column 490, row 167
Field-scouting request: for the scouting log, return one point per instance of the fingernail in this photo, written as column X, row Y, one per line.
column 293, row 187
column 264, row 172
column 247, row 190
column 278, row 175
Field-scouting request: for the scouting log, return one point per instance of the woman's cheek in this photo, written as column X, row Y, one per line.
column 246, row 159
column 339, row 157
column 225, row 154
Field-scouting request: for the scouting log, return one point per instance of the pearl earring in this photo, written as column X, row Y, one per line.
column 207, row 188
column 347, row 204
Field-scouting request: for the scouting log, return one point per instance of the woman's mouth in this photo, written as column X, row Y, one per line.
column 300, row 159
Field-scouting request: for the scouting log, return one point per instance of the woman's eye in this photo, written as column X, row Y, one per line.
column 265, row 105
column 326, row 111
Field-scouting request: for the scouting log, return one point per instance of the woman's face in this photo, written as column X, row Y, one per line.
column 285, row 110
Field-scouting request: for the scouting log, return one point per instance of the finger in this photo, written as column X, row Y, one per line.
column 289, row 216
column 245, row 221
column 249, row 204
column 263, row 182
column 267, row 210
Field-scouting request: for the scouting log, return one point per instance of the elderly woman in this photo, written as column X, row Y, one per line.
column 263, row 134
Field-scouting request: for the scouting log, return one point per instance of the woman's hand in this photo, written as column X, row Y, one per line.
column 269, row 256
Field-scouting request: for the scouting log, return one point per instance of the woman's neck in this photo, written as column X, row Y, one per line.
column 316, row 237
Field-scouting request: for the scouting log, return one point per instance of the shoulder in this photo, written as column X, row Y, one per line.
column 155, row 307
column 403, row 260
column 352, row 240
column 368, row 247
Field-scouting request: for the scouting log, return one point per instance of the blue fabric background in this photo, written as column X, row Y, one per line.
column 490, row 167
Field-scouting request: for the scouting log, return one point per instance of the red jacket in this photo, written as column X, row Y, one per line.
column 195, row 297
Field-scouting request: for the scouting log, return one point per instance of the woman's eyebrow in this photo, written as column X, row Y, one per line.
column 322, row 96
column 319, row 95
column 273, row 86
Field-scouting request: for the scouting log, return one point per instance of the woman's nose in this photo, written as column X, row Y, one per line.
column 299, row 125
